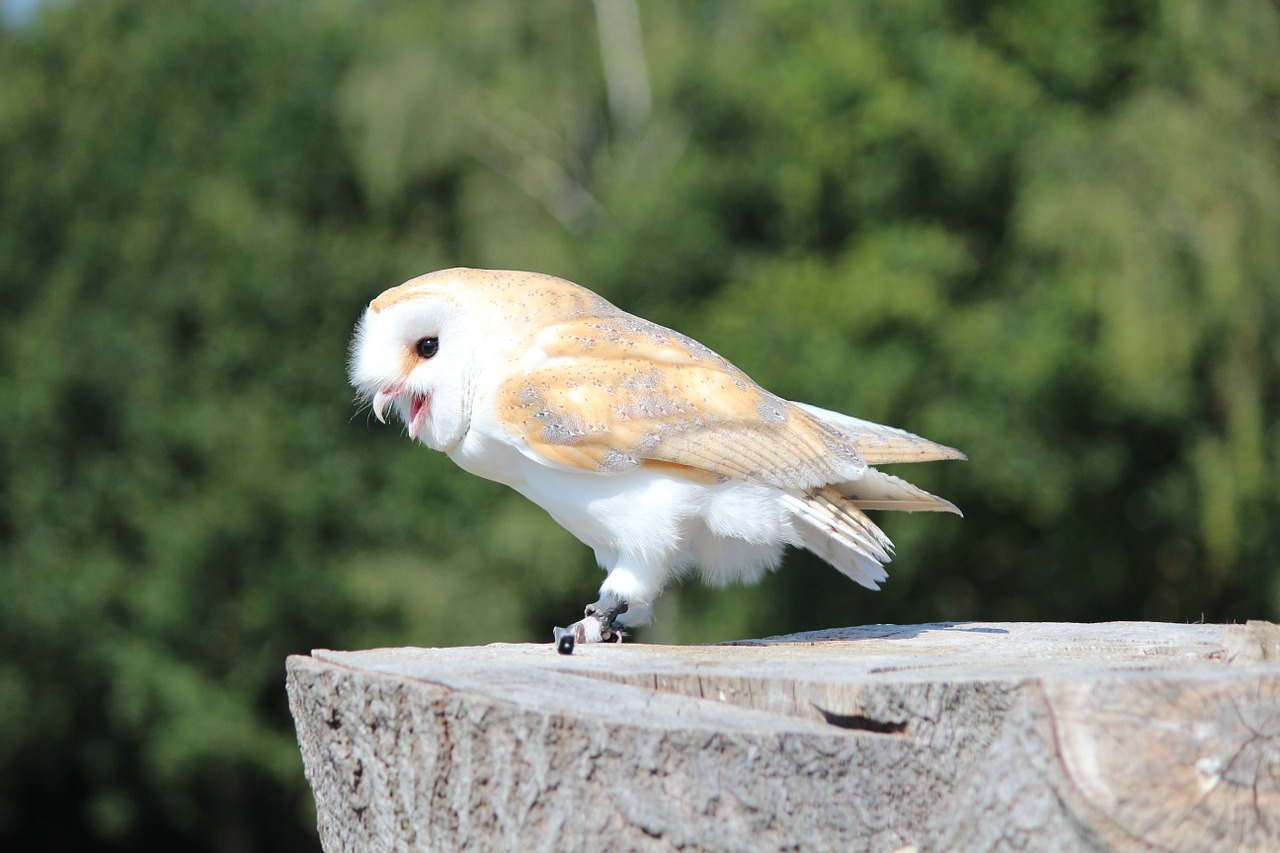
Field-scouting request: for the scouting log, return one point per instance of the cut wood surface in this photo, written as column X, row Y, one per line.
column 966, row 737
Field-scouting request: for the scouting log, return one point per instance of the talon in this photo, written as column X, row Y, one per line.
column 597, row 625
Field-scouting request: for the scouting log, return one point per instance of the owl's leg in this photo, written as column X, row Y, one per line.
column 597, row 625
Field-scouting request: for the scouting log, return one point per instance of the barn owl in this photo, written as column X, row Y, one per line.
column 650, row 448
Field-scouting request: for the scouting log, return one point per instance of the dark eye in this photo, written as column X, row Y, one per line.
column 427, row 347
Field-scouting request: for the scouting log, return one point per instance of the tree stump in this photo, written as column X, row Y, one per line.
column 968, row 737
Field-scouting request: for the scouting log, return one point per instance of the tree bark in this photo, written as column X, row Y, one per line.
column 973, row 737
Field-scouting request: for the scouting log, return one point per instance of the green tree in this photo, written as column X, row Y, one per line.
column 1041, row 232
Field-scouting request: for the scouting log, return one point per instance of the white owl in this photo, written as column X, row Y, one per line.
column 653, row 450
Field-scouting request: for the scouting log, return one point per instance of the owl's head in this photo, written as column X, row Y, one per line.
column 415, row 350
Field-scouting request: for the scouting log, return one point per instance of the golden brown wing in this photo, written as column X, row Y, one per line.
column 608, row 393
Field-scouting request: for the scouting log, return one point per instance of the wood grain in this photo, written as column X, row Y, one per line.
column 974, row 737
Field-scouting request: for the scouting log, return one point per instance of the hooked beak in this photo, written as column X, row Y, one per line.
column 381, row 399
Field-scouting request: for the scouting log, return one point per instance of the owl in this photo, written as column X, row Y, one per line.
column 656, row 452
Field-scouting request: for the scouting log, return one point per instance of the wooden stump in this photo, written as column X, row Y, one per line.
column 967, row 737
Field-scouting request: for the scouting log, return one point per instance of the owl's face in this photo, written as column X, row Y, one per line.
column 417, row 354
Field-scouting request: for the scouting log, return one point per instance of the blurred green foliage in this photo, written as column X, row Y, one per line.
column 1047, row 233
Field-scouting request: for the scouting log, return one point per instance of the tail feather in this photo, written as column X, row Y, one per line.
column 829, row 520
column 832, row 524
column 878, row 490
column 835, row 529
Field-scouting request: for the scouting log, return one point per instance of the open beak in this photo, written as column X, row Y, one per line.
column 418, row 407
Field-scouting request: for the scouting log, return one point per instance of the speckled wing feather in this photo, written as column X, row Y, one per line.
column 880, row 444
column 611, row 391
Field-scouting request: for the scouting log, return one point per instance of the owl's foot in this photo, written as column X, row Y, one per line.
column 606, row 611
column 597, row 625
